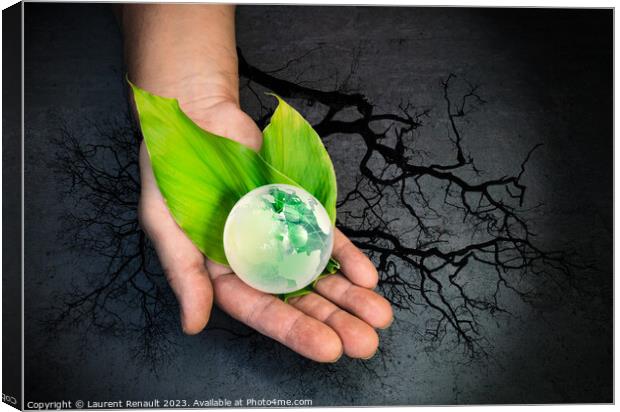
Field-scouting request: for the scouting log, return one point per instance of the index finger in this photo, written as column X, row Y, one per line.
column 354, row 264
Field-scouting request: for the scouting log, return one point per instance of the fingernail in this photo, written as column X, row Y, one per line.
column 339, row 356
column 388, row 325
column 184, row 325
column 371, row 356
column 185, row 328
column 182, row 321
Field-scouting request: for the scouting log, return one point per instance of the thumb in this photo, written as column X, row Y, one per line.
column 193, row 290
column 183, row 263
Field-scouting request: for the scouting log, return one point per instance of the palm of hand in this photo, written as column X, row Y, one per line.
column 339, row 317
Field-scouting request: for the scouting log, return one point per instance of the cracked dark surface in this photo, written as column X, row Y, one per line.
column 449, row 137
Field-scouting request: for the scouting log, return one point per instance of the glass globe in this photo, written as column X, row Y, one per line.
column 278, row 238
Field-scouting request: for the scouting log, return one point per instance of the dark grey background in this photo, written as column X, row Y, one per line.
column 11, row 208
column 547, row 78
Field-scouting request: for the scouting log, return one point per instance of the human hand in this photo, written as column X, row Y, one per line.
column 188, row 52
column 339, row 317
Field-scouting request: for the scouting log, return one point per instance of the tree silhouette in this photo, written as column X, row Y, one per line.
column 448, row 240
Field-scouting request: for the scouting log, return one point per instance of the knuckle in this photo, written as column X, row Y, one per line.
column 181, row 270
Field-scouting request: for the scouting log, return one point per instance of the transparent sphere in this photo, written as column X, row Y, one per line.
column 278, row 238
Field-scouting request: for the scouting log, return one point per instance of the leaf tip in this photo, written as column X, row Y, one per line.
column 280, row 100
column 146, row 96
column 134, row 88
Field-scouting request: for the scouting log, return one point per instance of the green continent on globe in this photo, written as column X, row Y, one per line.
column 304, row 233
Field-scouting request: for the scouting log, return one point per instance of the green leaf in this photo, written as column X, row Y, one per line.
column 200, row 175
column 292, row 146
column 332, row 267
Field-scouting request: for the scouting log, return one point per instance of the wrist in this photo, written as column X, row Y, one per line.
column 203, row 85
column 185, row 52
